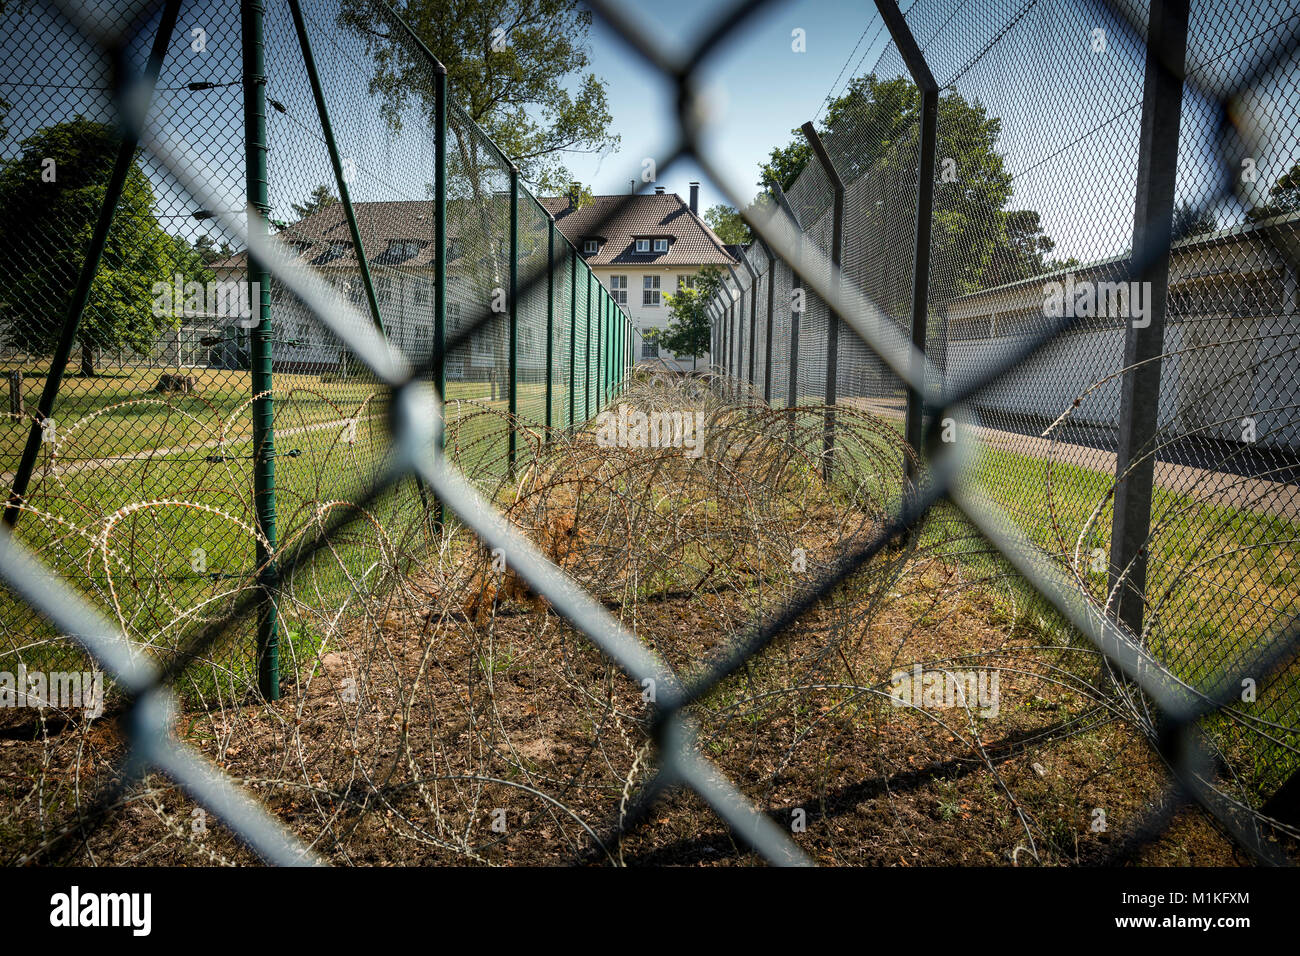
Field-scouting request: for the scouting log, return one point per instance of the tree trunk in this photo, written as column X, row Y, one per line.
column 87, row 359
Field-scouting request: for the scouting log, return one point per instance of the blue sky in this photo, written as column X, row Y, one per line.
column 760, row 88
column 1069, row 114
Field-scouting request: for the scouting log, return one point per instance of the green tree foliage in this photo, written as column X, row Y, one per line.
column 318, row 199
column 516, row 67
column 872, row 131
column 42, row 260
column 728, row 224
column 1189, row 222
column 687, row 332
column 1283, row 197
column 206, row 248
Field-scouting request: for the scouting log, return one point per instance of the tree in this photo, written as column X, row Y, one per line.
column 687, row 332
column 872, row 133
column 1284, row 197
column 43, row 260
column 1189, row 222
column 728, row 224
column 509, row 65
column 318, row 199
column 206, row 248
column 1022, row 253
column 860, row 126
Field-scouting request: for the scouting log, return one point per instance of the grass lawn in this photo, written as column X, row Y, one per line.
column 164, row 542
column 1221, row 581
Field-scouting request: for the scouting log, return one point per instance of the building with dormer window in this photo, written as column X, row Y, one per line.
column 649, row 248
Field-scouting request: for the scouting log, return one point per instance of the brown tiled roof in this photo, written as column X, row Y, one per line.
column 380, row 223
column 690, row 240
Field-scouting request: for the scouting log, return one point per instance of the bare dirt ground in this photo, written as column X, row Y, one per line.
column 451, row 717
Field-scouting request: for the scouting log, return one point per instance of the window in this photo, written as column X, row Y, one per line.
column 618, row 289
column 649, row 347
column 589, row 246
column 384, row 289
column 685, row 282
column 650, row 290
column 643, row 245
column 661, row 245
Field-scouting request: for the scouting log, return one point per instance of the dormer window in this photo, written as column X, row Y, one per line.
column 661, row 245
column 643, row 245
column 589, row 247
column 402, row 248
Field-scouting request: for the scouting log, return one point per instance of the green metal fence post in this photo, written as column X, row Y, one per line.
column 550, row 318
column 98, row 240
column 260, row 365
column 327, row 131
column 573, row 330
column 586, row 370
column 440, row 261
column 513, row 387
column 600, row 343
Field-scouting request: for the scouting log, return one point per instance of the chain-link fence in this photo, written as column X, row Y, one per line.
column 289, row 441
column 1033, row 310
column 131, row 457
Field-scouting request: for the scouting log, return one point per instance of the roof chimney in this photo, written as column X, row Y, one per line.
column 659, row 190
column 695, row 198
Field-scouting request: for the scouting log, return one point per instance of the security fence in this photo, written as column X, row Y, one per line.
column 1100, row 258
column 169, row 433
column 357, row 391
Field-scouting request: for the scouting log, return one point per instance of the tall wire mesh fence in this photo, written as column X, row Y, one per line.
column 1033, row 224
column 152, row 528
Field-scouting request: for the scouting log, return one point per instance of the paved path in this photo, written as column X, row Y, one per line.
column 149, row 454
column 1218, row 487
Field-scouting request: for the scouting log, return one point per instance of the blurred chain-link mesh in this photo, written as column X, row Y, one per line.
column 105, row 502
column 1036, row 165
